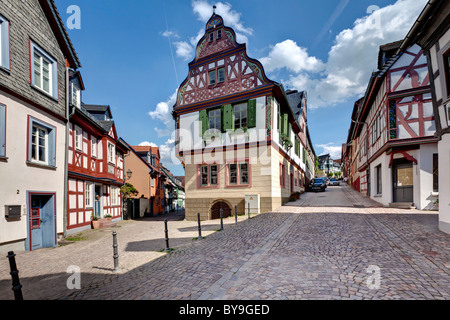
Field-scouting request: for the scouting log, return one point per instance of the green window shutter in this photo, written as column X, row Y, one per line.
column 279, row 119
column 251, row 113
column 204, row 124
column 228, row 116
column 304, row 155
column 285, row 124
column 289, row 131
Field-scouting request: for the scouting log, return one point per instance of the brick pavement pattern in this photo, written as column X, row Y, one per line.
column 319, row 247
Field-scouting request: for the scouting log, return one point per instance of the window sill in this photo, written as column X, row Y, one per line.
column 40, row 165
column 48, row 95
column 6, row 70
column 3, row 159
column 377, row 195
column 435, row 194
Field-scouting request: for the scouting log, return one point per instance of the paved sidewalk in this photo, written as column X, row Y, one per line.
column 43, row 273
column 315, row 248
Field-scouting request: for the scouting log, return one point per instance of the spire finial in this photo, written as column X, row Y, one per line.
column 214, row 9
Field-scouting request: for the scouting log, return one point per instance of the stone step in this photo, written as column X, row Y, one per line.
column 402, row 205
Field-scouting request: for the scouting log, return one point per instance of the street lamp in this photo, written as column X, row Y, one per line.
column 129, row 174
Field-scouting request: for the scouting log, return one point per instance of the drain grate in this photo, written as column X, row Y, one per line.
column 358, row 206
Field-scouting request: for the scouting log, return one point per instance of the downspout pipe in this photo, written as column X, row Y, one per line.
column 66, row 150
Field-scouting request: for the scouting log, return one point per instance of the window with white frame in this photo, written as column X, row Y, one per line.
column 42, row 143
column 93, row 146
column 78, row 138
column 44, row 74
column 2, row 130
column 111, row 153
column 114, row 196
column 4, row 43
column 88, row 195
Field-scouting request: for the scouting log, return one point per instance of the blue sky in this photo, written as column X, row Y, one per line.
column 136, row 53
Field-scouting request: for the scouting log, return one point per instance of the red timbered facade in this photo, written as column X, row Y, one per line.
column 232, row 123
column 95, row 166
column 395, row 130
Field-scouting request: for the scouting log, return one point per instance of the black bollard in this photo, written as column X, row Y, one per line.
column 199, row 227
column 249, row 210
column 167, row 235
column 116, row 254
column 16, row 286
column 235, row 213
column 221, row 219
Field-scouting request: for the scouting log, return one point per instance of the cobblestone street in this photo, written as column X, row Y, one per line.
column 322, row 246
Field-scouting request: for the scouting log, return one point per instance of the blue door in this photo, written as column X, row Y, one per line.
column 42, row 221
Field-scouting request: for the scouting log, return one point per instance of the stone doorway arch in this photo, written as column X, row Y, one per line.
column 215, row 209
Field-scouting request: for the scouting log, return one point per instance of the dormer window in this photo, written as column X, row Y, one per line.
column 75, row 95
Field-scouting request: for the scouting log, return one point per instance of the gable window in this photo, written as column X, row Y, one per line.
column 111, row 153
column 42, row 142
column 2, row 130
column 93, row 146
column 240, row 116
column 211, row 37
column 44, row 71
column 212, row 77
column 221, row 75
column 219, row 34
column 239, row 174
column 78, row 138
column 4, row 43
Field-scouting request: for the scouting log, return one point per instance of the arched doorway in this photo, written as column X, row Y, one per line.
column 215, row 210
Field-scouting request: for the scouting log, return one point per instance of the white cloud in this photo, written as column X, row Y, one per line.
column 184, row 50
column 329, row 148
column 163, row 113
column 352, row 58
column 289, row 55
column 169, row 34
column 147, row 144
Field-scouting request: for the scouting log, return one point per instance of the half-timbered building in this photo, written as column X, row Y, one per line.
column 394, row 130
column 241, row 137
column 431, row 32
column 35, row 54
column 95, row 163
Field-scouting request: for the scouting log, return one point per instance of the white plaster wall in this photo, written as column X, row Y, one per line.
column 386, row 180
column 444, row 183
column 425, row 197
column 16, row 178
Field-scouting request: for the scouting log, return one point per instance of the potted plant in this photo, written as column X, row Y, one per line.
column 108, row 217
column 95, row 223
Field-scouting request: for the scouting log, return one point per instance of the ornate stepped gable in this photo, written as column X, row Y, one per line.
column 241, row 73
